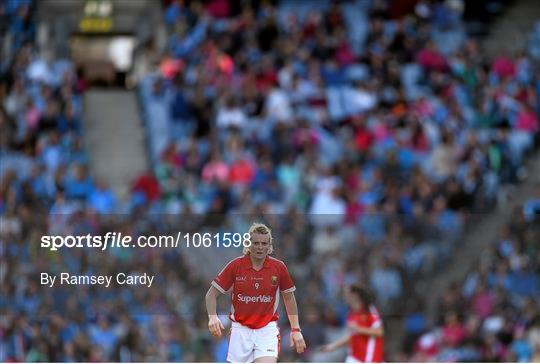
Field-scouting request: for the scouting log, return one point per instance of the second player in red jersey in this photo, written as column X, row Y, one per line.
column 256, row 280
column 365, row 329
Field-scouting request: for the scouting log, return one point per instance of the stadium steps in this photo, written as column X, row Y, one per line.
column 508, row 35
column 114, row 137
column 483, row 234
column 482, row 230
column 480, row 236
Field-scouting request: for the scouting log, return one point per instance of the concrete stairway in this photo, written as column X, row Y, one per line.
column 481, row 236
column 509, row 33
column 114, row 137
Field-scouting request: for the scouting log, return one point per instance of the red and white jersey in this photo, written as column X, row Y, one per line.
column 255, row 294
column 365, row 348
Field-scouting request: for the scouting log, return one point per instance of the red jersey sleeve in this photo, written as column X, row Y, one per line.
column 225, row 279
column 286, row 283
column 374, row 318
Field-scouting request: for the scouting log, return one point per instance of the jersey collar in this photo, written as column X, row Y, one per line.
column 247, row 262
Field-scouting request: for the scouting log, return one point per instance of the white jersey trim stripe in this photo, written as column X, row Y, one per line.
column 232, row 313
column 276, row 302
column 225, row 267
column 292, row 289
column 370, row 349
column 218, row 287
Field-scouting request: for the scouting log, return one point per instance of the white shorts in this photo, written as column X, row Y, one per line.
column 246, row 345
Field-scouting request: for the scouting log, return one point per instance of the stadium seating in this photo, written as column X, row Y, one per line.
column 365, row 147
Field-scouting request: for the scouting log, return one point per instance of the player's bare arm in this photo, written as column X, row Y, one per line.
column 372, row 331
column 343, row 341
column 297, row 339
column 214, row 323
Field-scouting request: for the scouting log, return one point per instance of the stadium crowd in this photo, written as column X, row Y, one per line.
column 364, row 144
column 494, row 314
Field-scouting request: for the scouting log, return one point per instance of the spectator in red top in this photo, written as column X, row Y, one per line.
column 218, row 8
column 503, row 67
column 148, row 185
column 363, row 136
column 431, row 59
column 483, row 302
column 527, row 120
column 364, row 139
column 344, row 54
column 171, row 157
column 242, row 172
column 453, row 330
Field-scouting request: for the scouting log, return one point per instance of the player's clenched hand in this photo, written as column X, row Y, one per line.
column 214, row 325
column 297, row 340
